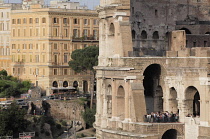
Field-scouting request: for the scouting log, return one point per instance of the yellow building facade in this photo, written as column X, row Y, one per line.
column 42, row 40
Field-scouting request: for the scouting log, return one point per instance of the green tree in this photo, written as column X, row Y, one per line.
column 11, row 86
column 84, row 60
column 12, row 120
column 89, row 116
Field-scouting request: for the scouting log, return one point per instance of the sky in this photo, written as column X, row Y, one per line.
column 90, row 3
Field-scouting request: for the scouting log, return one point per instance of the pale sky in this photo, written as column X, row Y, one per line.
column 90, row 3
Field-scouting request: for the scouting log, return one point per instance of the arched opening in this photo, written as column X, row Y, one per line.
column 85, row 86
column 121, row 102
column 187, row 31
column 173, row 103
column 152, row 90
column 170, row 134
column 65, row 84
column 143, row 34
column 133, row 34
column 155, row 35
column 109, row 101
column 192, row 101
column 207, row 33
column 75, row 84
column 55, row 84
column 112, row 29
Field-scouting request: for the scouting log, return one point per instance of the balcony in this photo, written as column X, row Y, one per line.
column 85, row 39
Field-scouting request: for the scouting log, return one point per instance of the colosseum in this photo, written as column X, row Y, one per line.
column 153, row 75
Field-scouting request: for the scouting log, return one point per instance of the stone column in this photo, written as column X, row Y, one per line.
column 127, row 96
column 114, row 93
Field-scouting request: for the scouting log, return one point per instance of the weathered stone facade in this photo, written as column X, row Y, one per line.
column 147, row 63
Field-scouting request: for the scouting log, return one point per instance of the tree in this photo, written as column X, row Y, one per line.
column 12, row 121
column 89, row 116
column 83, row 60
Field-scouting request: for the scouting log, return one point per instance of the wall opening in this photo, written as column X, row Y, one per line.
column 143, row 34
column 192, row 101
column 121, row 103
column 187, row 31
column 155, row 35
column 85, row 86
column 65, row 84
column 152, row 90
column 111, row 30
column 170, row 134
column 55, row 84
column 109, row 101
column 173, row 103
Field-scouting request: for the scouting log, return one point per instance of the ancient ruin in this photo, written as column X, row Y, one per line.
column 153, row 61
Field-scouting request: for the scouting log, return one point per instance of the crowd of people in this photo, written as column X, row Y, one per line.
column 161, row 117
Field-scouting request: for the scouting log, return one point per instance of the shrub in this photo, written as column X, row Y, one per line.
column 47, row 133
column 58, row 126
column 64, row 123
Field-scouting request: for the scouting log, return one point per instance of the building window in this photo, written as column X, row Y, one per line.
column 95, row 34
column 85, row 45
column 65, row 46
column 37, row 71
column 75, row 21
column 95, row 22
column 30, row 60
column 43, row 20
column 55, row 72
column 37, row 58
column 55, row 58
column 13, row 32
column 65, row 58
column 55, row 32
column 24, row 32
column 85, row 32
column 37, row 20
column 24, row 46
column 24, row 20
column 43, row 58
column 75, row 35
column 55, row 46
column 85, row 21
column 66, row 32
column 55, row 20
column 13, row 21
column 18, row 21
column 23, row 58
column 65, row 20
column 30, row 31
column 13, row 70
column 30, row 20
column 65, row 72
column 43, row 31
column 43, row 46
column 13, row 46
column 31, row 46
column 37, row 46
column 37, row 31
column 75, row 46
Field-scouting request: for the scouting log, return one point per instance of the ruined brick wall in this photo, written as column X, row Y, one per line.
column 66, row 110
column 151, row 21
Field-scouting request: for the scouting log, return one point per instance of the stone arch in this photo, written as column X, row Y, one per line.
column 85, row 86
column 152, row 90
column 187, row 31
column 55, row 84
column 143, row 34
column 133, row 34
column 192, row 101
column 109, row 101
column 173, row 102
column 65, row 84
column 111, row 29
column 170, row 134
column 120, row 102
column 75, row 84
column 155, row 35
